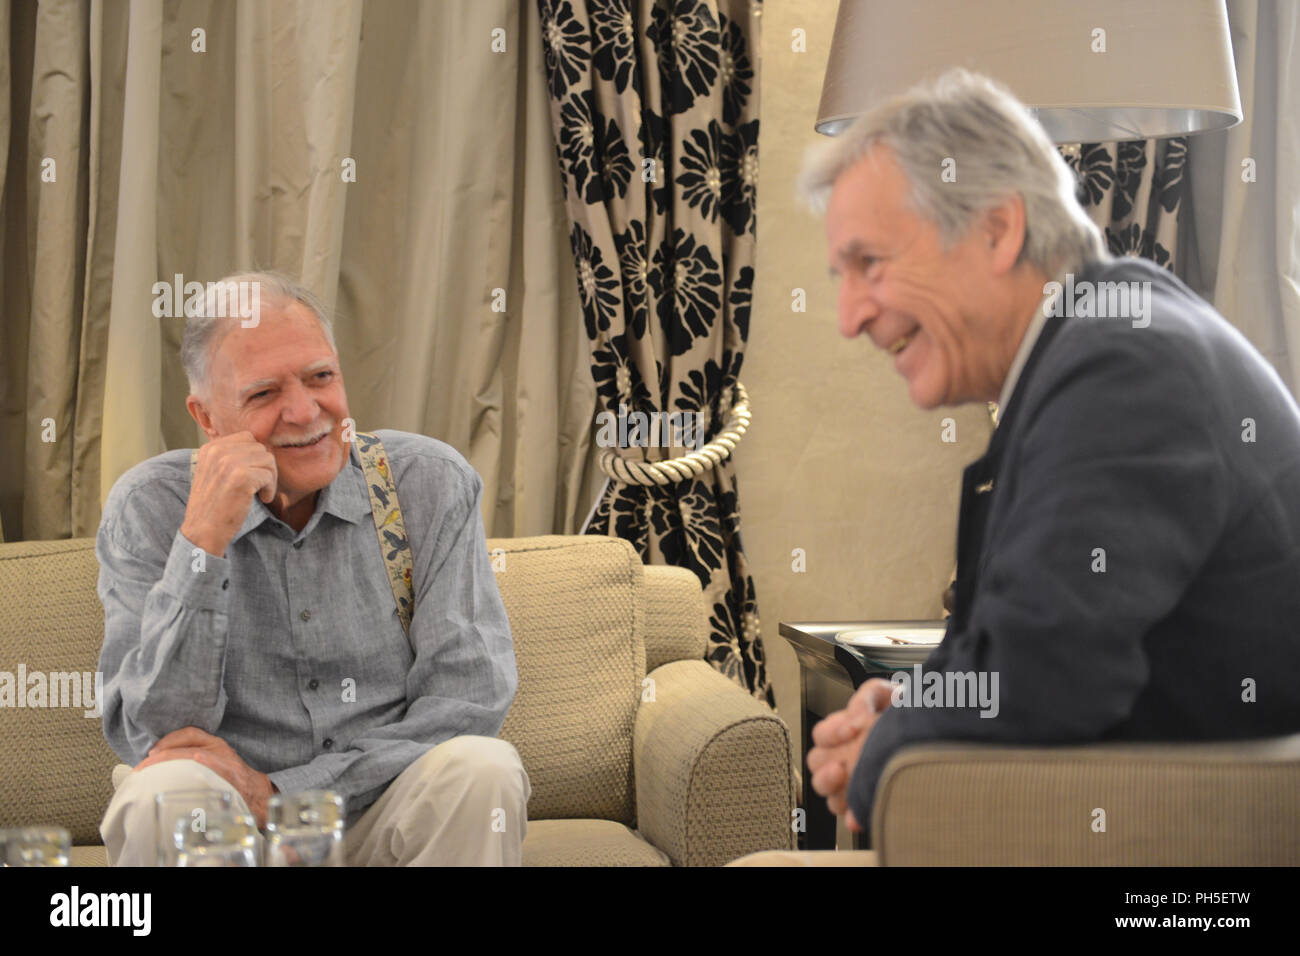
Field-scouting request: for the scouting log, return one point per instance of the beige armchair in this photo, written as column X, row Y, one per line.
column 1220, row 804
column 638, row 752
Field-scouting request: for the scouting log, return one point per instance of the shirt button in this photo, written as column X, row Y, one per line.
column 305, row 615
column 225, row 585
column 313, row 684
column 327, row 743
column 297, row 544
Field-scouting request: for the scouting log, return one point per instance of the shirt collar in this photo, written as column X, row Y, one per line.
column 1027, row 346
column 345, row 497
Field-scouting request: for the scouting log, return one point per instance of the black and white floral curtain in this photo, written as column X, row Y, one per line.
column 655, row 115
column 1133, row 191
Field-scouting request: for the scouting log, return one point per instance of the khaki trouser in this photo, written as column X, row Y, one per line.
column 463, row 803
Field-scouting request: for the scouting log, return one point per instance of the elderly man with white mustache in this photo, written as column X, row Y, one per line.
column 1128, row 548
column 262, row 634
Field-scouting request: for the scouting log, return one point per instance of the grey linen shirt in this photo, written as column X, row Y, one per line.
column 289, row 648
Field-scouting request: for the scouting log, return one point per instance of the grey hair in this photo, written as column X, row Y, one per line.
column 999, row 150
column 204, row 331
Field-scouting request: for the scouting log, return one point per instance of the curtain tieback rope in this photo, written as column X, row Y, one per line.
column 684, row 467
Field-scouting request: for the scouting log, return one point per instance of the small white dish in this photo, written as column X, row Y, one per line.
column 893, row 646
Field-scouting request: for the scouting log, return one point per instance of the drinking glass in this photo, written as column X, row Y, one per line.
column 35, row 846
column 305, row 829
column 229, row 838
column 188, row 808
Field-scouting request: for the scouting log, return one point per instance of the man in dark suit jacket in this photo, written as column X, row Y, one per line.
column 1129, row 546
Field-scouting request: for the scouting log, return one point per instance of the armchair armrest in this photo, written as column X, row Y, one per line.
column 712, row 768
column 1229, row 803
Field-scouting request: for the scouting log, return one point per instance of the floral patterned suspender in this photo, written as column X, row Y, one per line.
column 389, row 526
column 393, row 542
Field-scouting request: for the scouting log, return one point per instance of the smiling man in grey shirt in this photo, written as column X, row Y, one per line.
column 253, row 640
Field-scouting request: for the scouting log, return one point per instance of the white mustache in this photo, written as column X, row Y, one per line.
column 305, row 439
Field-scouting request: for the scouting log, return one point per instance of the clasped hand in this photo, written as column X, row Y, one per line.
column 191, row 743
column 838, row 741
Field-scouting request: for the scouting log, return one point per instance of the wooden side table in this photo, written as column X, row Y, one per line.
column 829, row 673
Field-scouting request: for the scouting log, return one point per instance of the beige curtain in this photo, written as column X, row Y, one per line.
column 1244, row 229
column 44, row 112
column 198, row 137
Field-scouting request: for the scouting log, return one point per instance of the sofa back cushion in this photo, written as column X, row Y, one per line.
column 575, row 606
column 55, row 766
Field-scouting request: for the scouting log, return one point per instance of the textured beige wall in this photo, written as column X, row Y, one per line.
column 838, row 461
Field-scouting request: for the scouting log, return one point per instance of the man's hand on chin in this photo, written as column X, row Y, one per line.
column 190, row 743
column 838, row 741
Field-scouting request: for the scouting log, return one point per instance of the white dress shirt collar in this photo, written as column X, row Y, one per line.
column 1026, row 346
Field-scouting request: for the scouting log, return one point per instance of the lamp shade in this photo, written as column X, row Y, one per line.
column 1101, row 71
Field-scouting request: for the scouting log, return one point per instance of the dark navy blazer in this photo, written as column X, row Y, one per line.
column 1132, row 441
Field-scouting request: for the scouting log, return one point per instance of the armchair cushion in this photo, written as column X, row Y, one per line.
column 575, row 606
column 51, row 619
column 587, row 843
column 676, row 621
